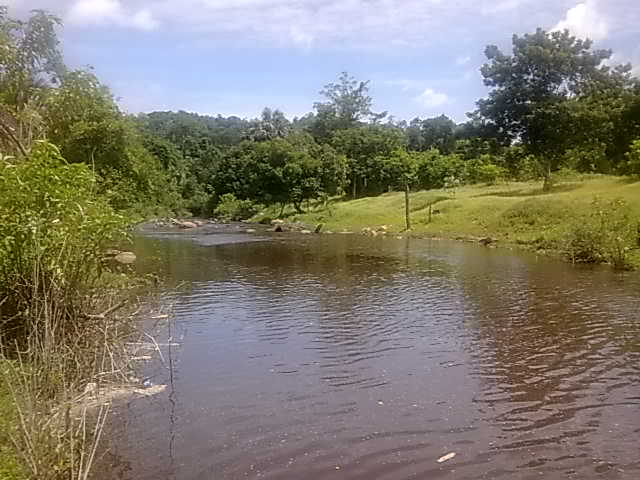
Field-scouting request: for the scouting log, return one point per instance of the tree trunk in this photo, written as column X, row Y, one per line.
column 354, row 182
column 282, row 209
column 298, row 208
column 406, row 206
column 546, row 186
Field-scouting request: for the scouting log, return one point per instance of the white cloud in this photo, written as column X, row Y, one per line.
column 86, row 13
column 430, row 98
column 396, row 26
column 585, row 21
column 404, row 84
column 463, row 60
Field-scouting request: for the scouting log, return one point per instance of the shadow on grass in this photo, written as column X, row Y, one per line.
column 628, row 180
column 564, row 187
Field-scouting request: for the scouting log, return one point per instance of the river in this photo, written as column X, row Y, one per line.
column 349, row 357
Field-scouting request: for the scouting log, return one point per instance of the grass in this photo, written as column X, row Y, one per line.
column 10, row 468
column 514, row 213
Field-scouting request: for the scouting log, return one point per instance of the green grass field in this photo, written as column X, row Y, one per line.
column 514, row 213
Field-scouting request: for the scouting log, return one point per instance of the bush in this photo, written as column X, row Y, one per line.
column 484, row 170
column 53, row 230
column 537, row 214
column 231, row 208
column 633, row 159
column 491, row 174
column 607, row 234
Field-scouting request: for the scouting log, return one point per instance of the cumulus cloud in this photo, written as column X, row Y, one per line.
column 392, row 25
column 109, row 12
column 585, row 21
column 430, row 98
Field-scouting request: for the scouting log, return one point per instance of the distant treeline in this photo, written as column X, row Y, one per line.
column 554, row 103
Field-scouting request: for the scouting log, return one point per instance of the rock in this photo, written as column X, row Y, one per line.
column 383, row 228
column 277, row 221
column 187, row 225
column 250, row 230
column 446, row 457
column 199, row 223
column 318, row 228
column 125, row 258
column 305, row 232
column 111, row 252
column 486, row 241
column 278, row 228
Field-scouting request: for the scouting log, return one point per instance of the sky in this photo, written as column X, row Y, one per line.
column 234, row 57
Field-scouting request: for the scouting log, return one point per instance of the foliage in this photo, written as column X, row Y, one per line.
column 30, row 62
column 609, row 233
column 537, row 92
column 436, row 132
column 231, row 209
column 50, row 215
column 346, row 104
column 633, row 159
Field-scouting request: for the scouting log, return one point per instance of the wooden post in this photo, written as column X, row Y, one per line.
column 406, row 206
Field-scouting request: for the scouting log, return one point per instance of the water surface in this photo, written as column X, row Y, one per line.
column 346, row 357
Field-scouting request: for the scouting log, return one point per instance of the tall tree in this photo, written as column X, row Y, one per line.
column 271, row 124
column 347, row 104
column 30, row 62
column 530, row 87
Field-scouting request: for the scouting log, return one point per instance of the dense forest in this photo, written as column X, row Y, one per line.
column 554, row 103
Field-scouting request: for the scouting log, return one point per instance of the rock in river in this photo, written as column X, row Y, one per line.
column 125, row 258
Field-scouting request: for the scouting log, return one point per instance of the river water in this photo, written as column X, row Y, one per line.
column 348, row 357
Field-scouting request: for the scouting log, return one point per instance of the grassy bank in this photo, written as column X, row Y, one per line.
column 514, row 213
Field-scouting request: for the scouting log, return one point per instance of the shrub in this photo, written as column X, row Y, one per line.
column 491, row 174
column 633, row 159
column 607, row 234
column 53, row 230
column 535, row 214
column 231, row 208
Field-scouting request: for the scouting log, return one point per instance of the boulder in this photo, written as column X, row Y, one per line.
column 125, row 258
column 250, row 230
column 277, row 221
column 187, row 225
column 305, row 232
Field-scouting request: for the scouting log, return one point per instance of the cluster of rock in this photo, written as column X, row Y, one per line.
column 375, row 231
column 280, row 225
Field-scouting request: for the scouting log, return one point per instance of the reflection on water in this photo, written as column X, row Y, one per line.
column 344, row 357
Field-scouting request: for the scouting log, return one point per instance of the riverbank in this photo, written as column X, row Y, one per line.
column 514, row 213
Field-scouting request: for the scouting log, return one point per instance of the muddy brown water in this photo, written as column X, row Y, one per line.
column 346, row 357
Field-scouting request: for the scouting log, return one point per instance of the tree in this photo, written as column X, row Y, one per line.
column 347, row 104
column 30, row 61
column 529, row 88
column 436, row 132
column 271, row 124
column 364, row 148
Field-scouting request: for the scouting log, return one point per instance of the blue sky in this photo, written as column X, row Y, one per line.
column 238, row 56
